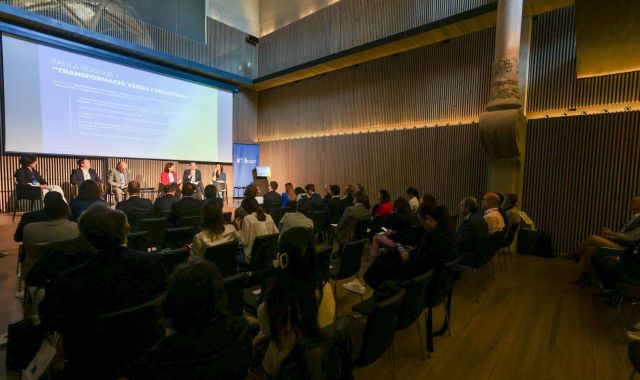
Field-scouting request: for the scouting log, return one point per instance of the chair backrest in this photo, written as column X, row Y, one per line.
column 29, row 192
column 442, row 280
column 156, row 229
column 178, row 236
column 264, row 251
column 319, row 221
column 323, row 261
column 137, row 241
column 164, row 214
column 135, row 218
column 414, row 300
column 511, row 234
column 227, row 217
column 360, row 231
column 170, row 259
column 189, row 221
column 350, row 259
column 380, row 329
column 33, row 252
column 234, row 287
column 224, row 256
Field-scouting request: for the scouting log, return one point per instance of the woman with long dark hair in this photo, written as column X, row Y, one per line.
column 213, row 230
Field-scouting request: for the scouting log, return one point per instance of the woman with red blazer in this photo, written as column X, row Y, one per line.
column 169, row 175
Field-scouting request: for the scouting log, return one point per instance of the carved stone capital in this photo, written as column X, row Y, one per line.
column 502, row 133
column 505, row 91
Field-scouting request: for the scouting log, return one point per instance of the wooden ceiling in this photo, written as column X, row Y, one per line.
column 419, row 37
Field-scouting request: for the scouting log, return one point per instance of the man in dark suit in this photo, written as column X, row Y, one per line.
column 83, row 173
column 135, row 205
column 317, row 204
column 348, row 196
column 350, row 218
column 194, row 176
column 272, row 199
column 188, row 205
column 473, row 229
column 211, row 195
column 165, row 202
column 113, row 279
column 335, row 208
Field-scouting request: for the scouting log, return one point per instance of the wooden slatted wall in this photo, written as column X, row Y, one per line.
column 446, row 81
column 445, row 161
column 581, row 173
column 349, row 23
column 553, row 83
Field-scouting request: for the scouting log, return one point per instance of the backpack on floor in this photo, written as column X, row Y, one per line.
column 544, row 245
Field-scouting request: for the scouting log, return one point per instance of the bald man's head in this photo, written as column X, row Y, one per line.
column 635, row 204
column 490, row 200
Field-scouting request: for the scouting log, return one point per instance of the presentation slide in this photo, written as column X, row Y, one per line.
column 60, row 102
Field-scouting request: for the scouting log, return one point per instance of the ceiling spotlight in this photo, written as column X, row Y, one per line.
column 627, row 108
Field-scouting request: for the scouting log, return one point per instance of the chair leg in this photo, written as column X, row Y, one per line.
column 429, row 323
column 15, row 208
column 422, row 350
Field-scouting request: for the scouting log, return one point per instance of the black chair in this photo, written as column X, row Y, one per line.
column 26, row 192
column 361, row 228
column 156, row 229
column 264, row 251
column 505, row 247
column 189, row 221
column 178, row 237
column 323, row 263
column 439, row 291
column 234, row 286
column 227, row 217
column 379, row 332
column 164, row 214
column 412, row 306
column 137, row 241
column 224, row 256
column 135, row 218
column 319, row 225
column 348, row 264
column 170, row 259
column 277, row 217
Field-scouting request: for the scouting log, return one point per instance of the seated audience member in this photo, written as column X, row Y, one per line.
column 115, row 278
column 428, row 200
column 56, row 228
column 214, row 231
column 413, row 197
column 399, row 230
column 256, row 223
column 88, row 193
column 510, row 208
column 135, row 205
column 300, row 193
column 347, row 201
column 317, row 203
column 296, row 307
column 208, row 343
column 164, row 203
column 351, row 217
column 118, row 180
column 288, row 196
column 194, row 176
column 211, row 195
column 335, row 208
column 327, row 197
column 297, row 219
column 219, row 178
column 272, row 199
column 473, row 228
column 384, row 206
column 250, row 192
column 365, row 198
column 627, row 236
column 34, row 216
column 492, row 215
column 436, row 248
column 169, row 175
column 28, row 175
column 187, row 205
column 83, row 173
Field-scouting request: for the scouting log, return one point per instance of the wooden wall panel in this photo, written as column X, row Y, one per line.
column 350, row 23
column 245, row 116
column 445, row 161
column 553, row 80
column 446, row 81
column 581, row 173
column 56, row 170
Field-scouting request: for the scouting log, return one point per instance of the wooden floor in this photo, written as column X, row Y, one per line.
column 529, row 323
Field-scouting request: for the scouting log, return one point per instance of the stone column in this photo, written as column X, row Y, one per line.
column 503, row 125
